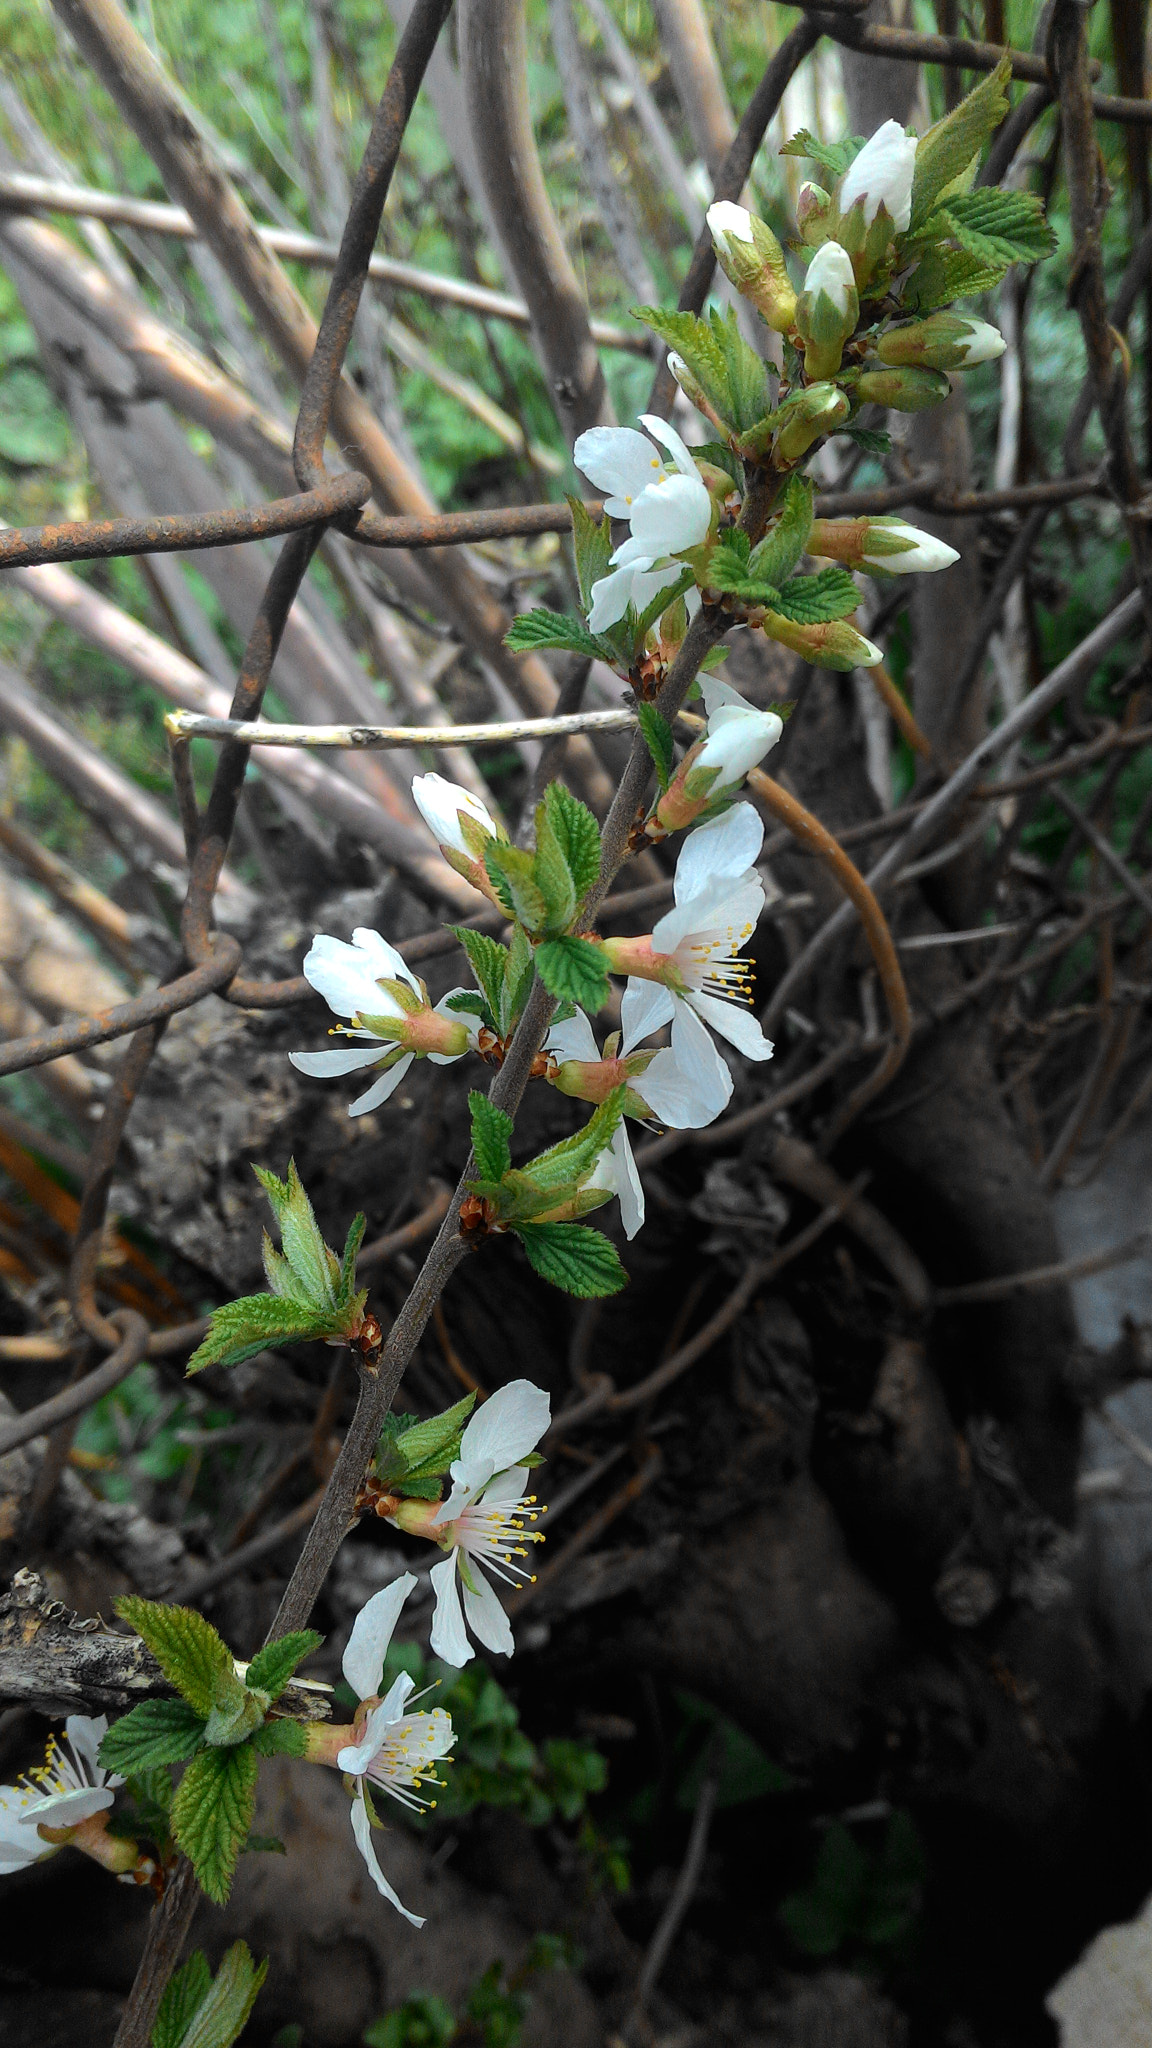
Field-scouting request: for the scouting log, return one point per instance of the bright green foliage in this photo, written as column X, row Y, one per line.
column 729, row 570
column 503, row 975
column 542, row 889
column 748, row 397
column 949, row 149
column 812, row 600
column 277, row 1738
column 576, row 1259
column 831, row 156
column 273, row 1666
column 577, row 834
column 542, row 628
column 525, row 1193
column 573, row 970
column 212, row 1814
column 512, row 873
column 153, row 1733
column 1005, row 227
column 778, row 553
column 695, row 340
column 187, row 1648
column 313, row 1292
column 198, row 2011
column 657, row 734
column 946, row 274
column 411, row 1456
column 491, row 1137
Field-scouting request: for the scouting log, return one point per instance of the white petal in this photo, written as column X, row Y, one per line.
column 736, row 742
column 611, row 596
column 362, row 1829
column 736, row 1024
column 620, row 460
column 726, row 846
column 984, row 343
column 722, row 916
column 363, row 1660
column 464, row 1491
column 670, row 439
column 486, row 1617
column 68, row 1809
column 449, row 1638
column 347, row 1060
column 717, row 693
column 645, row 1008
column 343, row 975
column 726, row 218
column 381, row 1089
column 673, row 514
column 507, row 1425
column 831, row 272
column 687, row 1084
column 357, row 1756
column 439, row 803
column 647, row 583
column 629, row 1189
column 574, row 1039
column 507, row 1485
column 882, row 171
column 86, row 1732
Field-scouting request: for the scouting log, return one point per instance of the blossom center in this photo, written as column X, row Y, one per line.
column 497, row 1532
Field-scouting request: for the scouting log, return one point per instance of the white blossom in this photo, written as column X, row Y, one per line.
column 349, row 978
column 737, row 737
column 982, row 343
column 67, row 1788
column 728, row 223
column 441, row 802
column 882, row 175
column 830, row 272
column 668, row 511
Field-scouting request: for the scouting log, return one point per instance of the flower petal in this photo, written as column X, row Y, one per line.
column 734, row 1023
column 448, row 1638
column 343, row 975
column 362, row 1829
column 646, row 1006
column 507, row 1485
column 347, row 1060
column 611, row 596
column 671, row 515
column 486, row 1617
column 381, row 1089
column 574, row 1039
column 619, row 460
column 68, row 1809
column 687, row 1084
column 629, row 1189
column 668, row 438
column 439, row 803
column 728, row 845
column 510, row 1423
column 363, row 1660
column 717, row 693
column 86, row 1732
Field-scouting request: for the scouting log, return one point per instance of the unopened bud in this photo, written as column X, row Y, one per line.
column 818, row 410
column 813, row 213
column 693, row 390
column 944, row 341
column 827, row 309
column 889, row 544
column 834, row 644
column 905, row 389
column 881, row 176
column 753, row 260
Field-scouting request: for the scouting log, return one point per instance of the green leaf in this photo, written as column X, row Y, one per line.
column 592, row 542
column 184, row 1992
column 212, row 1813
column 431, row 1446
column 657, row 734
column 280, row 1738
column 749, row 398
column 1012, row 222
column 187, row 1648
column 221, row 2013
column 661, row 603
column 571, row 1256
column 491, row 1137
column 831, row 156
column 519, row 974
column 946, row 151
column 873, row 440
column 577, row 833
column 778, row 553
column 256, row 1322
column 561, row 1164
column 693, row 339
column 813, row 600
column 314, row 1265
column 273, row 1666
column 541, row 628
column 155, row 1732
column 488, row 960
column 723, row 457
column 351, row 1252
column 511, row 871
column 553, row 875
column 946, row 274
column 573, row 970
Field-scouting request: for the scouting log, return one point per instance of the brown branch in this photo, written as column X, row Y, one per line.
column 1038, row 1277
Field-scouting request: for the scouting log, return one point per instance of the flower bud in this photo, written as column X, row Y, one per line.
column 813, row 213
column 827, row 309
column 881, row 176
column 693, row 390
column 818, row 410
column 835, row 644
column 737, row 739
column 462, row 825
column 905, row 390
column 944, row 341
column 888, row 544
column 753, row 260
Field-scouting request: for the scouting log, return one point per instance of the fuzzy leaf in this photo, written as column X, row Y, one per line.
column 541, row 628
column 574, row 971
column 693, row 339
column 519, row 974
column 273, row 1666
column 510, row 871
column 592, row 542
column 552, row 874
column 212, row 1813
column 577, row 833
column 305, row 1250
column 574, row 1258
column 747, row 381
column 488, row 960
column 662, row 602
column 280, row 1738
column 184, row 1992
column 946, row 274
column 778, row 553
column 220, row 2014
column 491, row 1135
column 813, row 600
column 187, row 1648
column 352, row 1244
column 946, row 151
column 873, row 440
column 257, row 1321
column 831, row 156
column 1002, row 227
column 431, row 1446
column 153, row 1733
column 564, row 1163
column 658, row 739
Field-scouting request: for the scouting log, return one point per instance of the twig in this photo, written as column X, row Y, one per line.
column 74, row 1399
column 684, row 1889
column 213, row 1575
column 262, row 732
column 1044, row 1276
column 588, row 1533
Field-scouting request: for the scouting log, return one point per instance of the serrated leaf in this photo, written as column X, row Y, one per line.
column 577, row 1155
column 749, row 397
column 491, row 1137
column 592, row 544
column 831, row 156
column 945, row 152
column 257, row 1322
column 578, row 835
column 873, row 440
column 778, row 553
column 280, row 1738
column 573, row 970
column 946, row 274
column 1012, row 222
column 187, row 1648
column 154, row 1733
column 273, row 1666
column 223, row 2012
column 552, row 874
column 488, row 959
column 510, row 871
column 184, row 1992
column 656, row 608
column 541, row 628
column 314, row 1265
column 693, row 339
column 574, row 1258
column 657, row 735
column 352, row 1243
column 814, row 600
column 519, row 974
column 238, row 1712
column 425, row 1444
column 212, row 1813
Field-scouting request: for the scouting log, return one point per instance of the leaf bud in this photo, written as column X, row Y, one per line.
column 904, row 389
column 819, row 409
column 753, row 261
